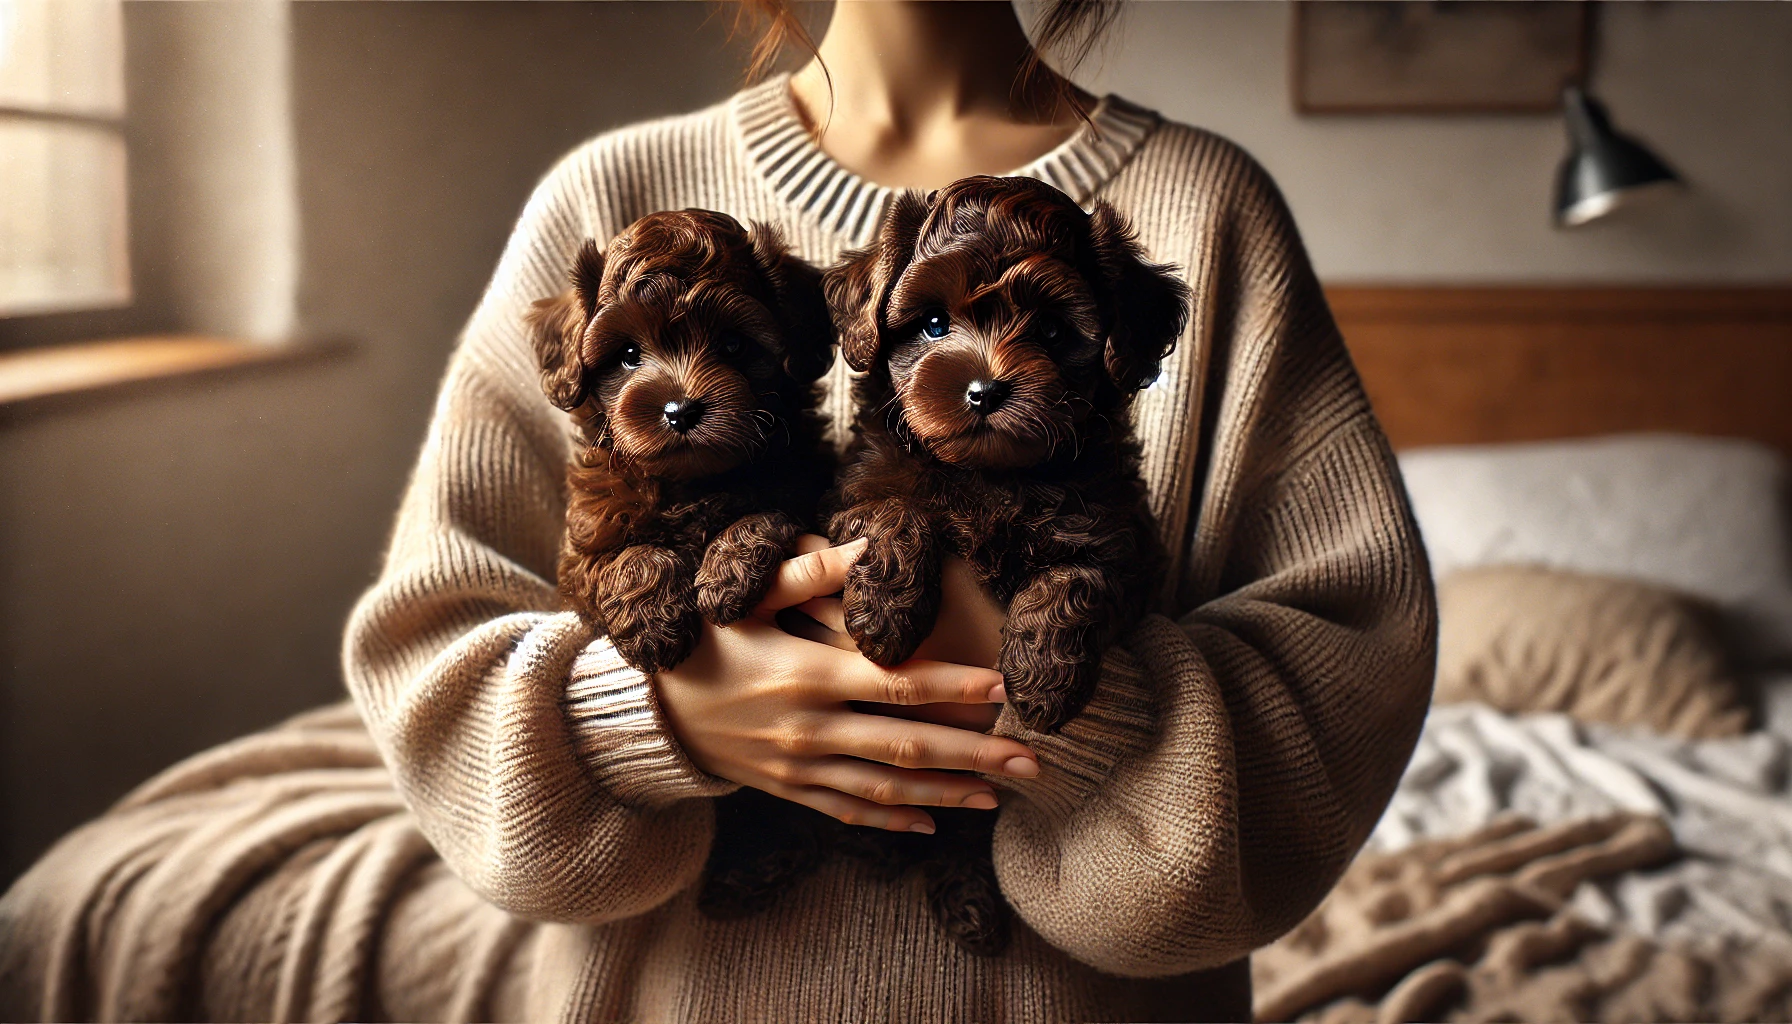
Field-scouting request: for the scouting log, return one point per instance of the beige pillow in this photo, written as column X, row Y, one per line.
column 1601, row 649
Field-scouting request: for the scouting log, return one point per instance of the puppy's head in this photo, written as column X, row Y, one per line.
column 1005, row 317
column 683, row 345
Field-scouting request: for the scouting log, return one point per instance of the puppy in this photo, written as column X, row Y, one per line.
column 1002, row 333
column 687, row 353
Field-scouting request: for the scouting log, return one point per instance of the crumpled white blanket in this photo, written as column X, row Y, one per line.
column 1727, row 802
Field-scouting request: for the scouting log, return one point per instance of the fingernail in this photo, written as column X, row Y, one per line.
column 921, row 827
column 1021, row 767
column 981, row 801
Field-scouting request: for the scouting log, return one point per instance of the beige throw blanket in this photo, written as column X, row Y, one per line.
column 278, row 877
column 1481, row 928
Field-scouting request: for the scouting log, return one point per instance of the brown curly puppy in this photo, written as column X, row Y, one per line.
column 687, row 353
column 1003, row 333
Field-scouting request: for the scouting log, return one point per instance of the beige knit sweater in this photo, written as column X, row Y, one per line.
column 1237, row 754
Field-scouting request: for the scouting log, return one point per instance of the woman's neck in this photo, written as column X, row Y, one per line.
column 924, row 92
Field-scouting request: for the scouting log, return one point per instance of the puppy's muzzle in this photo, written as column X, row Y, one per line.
column 985, row 395
column 683, row 414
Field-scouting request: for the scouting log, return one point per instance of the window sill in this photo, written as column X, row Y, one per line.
column 32, row 376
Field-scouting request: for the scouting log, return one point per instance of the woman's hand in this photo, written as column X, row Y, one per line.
column 967, row 632
column 758, row 706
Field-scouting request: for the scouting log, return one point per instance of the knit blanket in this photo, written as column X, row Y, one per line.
column 278, row 877
column 1660, row 887
column 1727, row 802
column 1483, row 927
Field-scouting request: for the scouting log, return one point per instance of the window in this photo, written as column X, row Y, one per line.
column 62, row 156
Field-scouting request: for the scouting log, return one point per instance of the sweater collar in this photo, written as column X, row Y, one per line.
column 804, row 177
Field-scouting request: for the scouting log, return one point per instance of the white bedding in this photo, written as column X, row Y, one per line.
column 1712, row 518
column 1727, row 802
column 1707, row 516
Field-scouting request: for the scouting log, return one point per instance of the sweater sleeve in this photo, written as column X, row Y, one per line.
column 1239, row 752
column 536, row 761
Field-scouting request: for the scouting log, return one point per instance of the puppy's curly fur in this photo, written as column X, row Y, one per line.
column 1003, row 333
column 687, row 353
column 689, row 317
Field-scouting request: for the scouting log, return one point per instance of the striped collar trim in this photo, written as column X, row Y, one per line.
column 803, row 176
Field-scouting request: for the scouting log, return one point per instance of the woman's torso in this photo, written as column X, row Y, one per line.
column 847, row 945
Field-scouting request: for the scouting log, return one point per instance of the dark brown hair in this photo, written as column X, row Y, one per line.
column 1069, row 30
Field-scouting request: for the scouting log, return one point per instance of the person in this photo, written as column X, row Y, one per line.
column 512, row 822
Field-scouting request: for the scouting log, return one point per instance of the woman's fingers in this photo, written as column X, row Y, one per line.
column 854, row 810
column 893, row 787
column 815, row 574
column 916, row 682
column 920, row 745
column 798, row 624
column 829, row 611
column 975, row 717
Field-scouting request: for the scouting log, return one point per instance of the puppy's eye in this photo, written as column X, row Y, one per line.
column 732, row 344
column 1048, row 328
column 631, row 357
column 935, row 323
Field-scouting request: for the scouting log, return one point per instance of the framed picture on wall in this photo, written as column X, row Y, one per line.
column 1437, row 56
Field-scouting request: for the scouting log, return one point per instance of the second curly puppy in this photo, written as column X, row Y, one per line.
column 1003, row 333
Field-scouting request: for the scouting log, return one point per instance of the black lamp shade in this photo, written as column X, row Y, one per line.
column 1604, row 170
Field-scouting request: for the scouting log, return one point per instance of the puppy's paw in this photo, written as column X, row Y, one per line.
column 849, row 524
column 1049, row 675
column 1057, row 631
column 892, row 592
column 741, row 563
column 647, row 604
column 886, row 630
column 967, row 902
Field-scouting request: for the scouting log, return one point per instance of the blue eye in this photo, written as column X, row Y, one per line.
column 631, row 357
column 935, row 323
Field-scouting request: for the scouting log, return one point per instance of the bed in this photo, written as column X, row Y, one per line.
column 1597, row 822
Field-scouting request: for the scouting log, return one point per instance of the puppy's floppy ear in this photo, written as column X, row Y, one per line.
column 588, row 275
column 1147, row 306
column 557, row 327
column 802, row 309
column 859, row 285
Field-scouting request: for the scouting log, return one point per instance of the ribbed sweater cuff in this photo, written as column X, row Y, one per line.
column 1074, row 762
column 622, row 733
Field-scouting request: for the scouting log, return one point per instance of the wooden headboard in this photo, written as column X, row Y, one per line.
column 1475, row 365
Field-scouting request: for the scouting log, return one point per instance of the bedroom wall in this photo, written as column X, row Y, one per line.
column 1467, row 199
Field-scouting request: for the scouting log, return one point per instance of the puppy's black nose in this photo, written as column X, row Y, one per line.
column 986, row 396
column 683, row 414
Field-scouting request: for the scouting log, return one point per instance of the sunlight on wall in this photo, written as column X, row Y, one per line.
column 63, row 242
column 232, row 193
